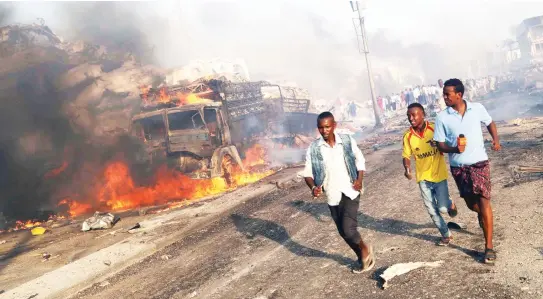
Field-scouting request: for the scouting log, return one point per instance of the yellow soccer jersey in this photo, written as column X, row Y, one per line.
column 429, row 161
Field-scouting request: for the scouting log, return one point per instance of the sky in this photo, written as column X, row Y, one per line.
column 310, row 42
column 409, row 21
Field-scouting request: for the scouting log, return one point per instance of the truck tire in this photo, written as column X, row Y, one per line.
column 227, row 167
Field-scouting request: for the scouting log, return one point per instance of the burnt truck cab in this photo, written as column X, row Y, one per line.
column 195, row 139
column 204, row 138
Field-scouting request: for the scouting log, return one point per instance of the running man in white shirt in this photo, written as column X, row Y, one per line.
column 335, row 165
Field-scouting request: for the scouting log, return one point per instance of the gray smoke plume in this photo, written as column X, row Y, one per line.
column 6, row 10
column 114, row 25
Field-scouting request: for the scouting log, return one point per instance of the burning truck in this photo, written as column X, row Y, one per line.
column 204, row 129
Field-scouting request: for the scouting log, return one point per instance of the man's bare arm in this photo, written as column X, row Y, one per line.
column 493, row 132
column 360, row 175
column 444, row 148
column 407, row 164
column 310, row 182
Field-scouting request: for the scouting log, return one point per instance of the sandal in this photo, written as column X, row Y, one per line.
column 444, row 241
column 490, row 256
column 367, row 264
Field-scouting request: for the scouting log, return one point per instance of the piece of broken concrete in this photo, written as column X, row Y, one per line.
column 399, row 269
column 99, row 221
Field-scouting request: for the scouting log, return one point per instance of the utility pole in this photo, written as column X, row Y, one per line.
column 365, row 49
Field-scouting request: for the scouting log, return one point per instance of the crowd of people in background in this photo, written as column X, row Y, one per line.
column 431, row 96
column 426, row 95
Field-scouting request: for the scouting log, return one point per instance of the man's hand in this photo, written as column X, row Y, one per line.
column 461, row 148
column 408, row 174
column 496, row 145
column 432, row 143
column 317, row 191
column 357, row 185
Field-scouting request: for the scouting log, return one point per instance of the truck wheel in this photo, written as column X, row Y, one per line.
column 227, row 167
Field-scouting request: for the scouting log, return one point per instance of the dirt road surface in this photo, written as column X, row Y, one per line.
column 284, row 244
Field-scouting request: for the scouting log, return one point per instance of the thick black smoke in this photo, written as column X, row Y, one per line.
column 45, row 154
column 115, row 25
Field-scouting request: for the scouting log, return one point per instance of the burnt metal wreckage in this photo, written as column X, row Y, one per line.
column 208, row 136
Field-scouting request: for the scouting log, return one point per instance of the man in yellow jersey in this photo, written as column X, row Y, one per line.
column 430, row 168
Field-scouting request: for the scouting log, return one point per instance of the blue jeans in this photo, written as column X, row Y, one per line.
column 437, row 201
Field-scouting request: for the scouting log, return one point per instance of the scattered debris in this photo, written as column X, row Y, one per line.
column 166, row 257
column 46, row 256
column 517, row 121
column 109, row 233
column 100, row 221
column 399, row 269
column 107, row 262
column 134, row 228
column 519, row 172
column 288, row 182
column 457, row 225
column 3, row 242
column 104, row 283
column 38, row 230
column 389, row 249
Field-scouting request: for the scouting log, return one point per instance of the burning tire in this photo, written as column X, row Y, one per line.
column 227, row 168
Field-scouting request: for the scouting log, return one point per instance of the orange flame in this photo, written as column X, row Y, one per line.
column 118, row 191
column 76, row 208
column 191, row 98
column 254, row 156
column 164, row 96
column 26, row 224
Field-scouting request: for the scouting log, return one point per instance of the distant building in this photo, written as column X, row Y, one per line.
column 512, row 51
column 530, row 39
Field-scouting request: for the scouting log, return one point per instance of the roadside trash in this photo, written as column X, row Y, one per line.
column 3, row 242
column 399, row 269
column 104, row 283
column 389, row 249
column 107, row 262
column 134, row 228
column 100, row 221
column 457, row 226
column 46, row 256
column 38, row 230
column 165, row 257
column 517, row 121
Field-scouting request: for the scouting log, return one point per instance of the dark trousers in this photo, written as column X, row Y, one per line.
column 345, row 217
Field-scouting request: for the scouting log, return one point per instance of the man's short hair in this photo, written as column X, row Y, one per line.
column 326, row 114
column 416, row 105
column 456, row 83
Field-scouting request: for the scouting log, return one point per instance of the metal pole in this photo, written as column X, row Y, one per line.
column 366, row 51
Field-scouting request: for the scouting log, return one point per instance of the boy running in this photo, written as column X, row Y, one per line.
column 430, row 167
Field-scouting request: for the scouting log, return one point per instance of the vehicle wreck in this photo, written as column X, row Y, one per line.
column 205, row 128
